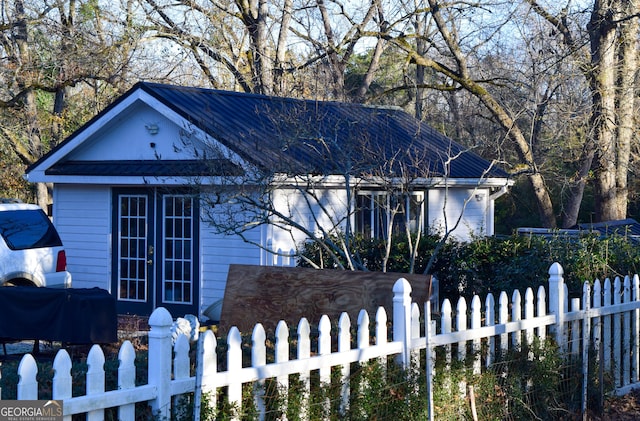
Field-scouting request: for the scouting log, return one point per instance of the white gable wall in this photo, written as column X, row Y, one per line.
column 130, row 138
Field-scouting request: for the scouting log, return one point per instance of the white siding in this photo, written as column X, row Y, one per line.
column 452, row 202
column 82, row 216
column 217, row 252
column 327, row 209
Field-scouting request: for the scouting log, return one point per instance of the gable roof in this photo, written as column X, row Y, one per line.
column 300, row 136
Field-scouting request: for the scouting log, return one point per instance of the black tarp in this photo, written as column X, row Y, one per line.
column 73, row 315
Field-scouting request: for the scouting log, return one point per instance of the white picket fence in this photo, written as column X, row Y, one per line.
column 607, row 318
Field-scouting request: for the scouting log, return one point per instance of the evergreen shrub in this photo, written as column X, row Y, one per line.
column 495, row 264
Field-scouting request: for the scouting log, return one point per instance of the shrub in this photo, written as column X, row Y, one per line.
column 492, row 264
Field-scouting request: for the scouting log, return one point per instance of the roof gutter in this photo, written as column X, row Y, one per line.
column 500, row 192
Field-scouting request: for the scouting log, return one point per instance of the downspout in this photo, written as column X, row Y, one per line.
column 490, row 221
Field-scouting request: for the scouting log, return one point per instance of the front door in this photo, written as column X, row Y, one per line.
column 155, row 259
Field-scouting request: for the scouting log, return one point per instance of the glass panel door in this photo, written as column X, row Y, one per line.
column 155, row 252
column 178, row 274
column 133, row 252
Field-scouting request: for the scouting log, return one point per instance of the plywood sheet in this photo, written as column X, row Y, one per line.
column 267, row 294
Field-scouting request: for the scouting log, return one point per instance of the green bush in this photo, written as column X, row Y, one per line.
column 518, row 262
column 492, row 264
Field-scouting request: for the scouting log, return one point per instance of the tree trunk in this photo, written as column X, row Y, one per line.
column 336, row 65
column 602, row 33
column 613, row 33
column 374, row 65
column 281, row 49
column 576, row 189
column 29, row 105
column 603, row 111
column 42, row 196
column 421, row 47
column 628, row 57
column 254, row 14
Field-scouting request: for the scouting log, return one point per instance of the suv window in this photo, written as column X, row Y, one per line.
column 25, row 229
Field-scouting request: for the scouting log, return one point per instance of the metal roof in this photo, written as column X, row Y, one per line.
column 627, row 226
column 311, row 137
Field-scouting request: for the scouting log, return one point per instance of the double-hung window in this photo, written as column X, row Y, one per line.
column 379, row 213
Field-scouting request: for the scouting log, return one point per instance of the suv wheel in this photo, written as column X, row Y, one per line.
column 18, row 283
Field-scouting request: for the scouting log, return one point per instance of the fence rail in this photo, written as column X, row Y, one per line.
column 606, row 318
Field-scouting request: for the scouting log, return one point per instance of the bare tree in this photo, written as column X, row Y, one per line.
column 453, row 63
column 343, row 29
column 274, row 48
column 609, row 70
column 52, row 51
column 460, row 45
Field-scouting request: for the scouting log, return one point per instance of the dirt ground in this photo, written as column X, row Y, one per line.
column 622, row 408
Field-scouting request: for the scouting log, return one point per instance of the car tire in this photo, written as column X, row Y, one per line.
column 21, row 282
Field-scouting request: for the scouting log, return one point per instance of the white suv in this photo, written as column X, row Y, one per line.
column 31, row 252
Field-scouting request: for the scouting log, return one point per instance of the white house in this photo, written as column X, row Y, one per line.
column 134, row 187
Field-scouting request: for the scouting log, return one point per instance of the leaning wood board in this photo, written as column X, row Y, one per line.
column 267, row 294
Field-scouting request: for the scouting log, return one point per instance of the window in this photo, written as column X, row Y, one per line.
column 374, row 210
column 26, row 229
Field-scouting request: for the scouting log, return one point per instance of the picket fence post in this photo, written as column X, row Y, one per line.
column 586, row 335
column 27, row 372
column 635, row 332
column 430, row 358
column 62, row 379
column 617, row 329
column 556, row 301
column 344, row 345
column 127, row 378
column 281, row 356
column 402, row 318
column 626, row 334
column 259, row 359
column 303, row 352
column 95, row 379
column 160, row 349
column 234, row 365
